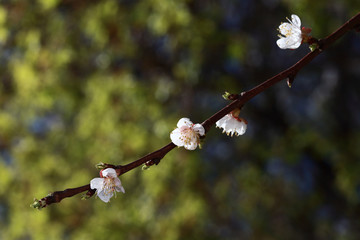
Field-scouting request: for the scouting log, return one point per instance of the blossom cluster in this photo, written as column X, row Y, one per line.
column 189, row 135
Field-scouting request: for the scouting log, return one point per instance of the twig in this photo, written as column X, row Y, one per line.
column 237, row 101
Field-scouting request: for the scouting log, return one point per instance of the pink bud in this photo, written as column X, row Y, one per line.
column 306, row 30
column 101, row 175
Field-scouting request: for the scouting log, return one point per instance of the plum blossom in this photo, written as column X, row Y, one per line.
column 107, row 184
column 232, row 125
column 187, row 134
column 291, row 34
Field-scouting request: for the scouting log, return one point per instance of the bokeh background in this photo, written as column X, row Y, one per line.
column 83, row 82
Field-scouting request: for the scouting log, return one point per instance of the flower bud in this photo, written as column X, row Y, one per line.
column 38, row 204
column 101, row 166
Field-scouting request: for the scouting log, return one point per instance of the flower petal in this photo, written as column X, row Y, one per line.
column 109, row 172
column 105, row 196
column 120, row 189
column 232, row 125
column 191, row 145
column 285, row 28
column 175, row 137
column 282, row 43
column 184, row 122
column 223, row 121
column 97, row 183
column 241, row 128
column 295, row 20
column 199, row 129
column 118, row 186
column 291, row 34
column 288, row 43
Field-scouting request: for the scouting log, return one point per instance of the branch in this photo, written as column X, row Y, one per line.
column 56, row 197
column 237, row 102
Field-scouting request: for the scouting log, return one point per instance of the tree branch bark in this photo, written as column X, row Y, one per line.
column 156, row 156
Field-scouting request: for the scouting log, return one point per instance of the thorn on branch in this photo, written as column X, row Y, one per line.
column 290, row 80
column 157, row 161
column 151, row 162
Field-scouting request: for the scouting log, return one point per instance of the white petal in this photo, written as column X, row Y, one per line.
column 241, row 128
column 220, row 122
column 105, row 196
column 184, row 122
column 231, row 125
column 288, row 43
column 118, row 186
column 285, row 28
column 296, row 20
column 191, row 145
column 109, row 172
column 223, row 121
column 199, row 129
column 120, row 189
column 97, row 183
column 175, row 137
column 281, row 43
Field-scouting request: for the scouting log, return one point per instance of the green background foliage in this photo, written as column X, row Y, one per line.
column 84, row 82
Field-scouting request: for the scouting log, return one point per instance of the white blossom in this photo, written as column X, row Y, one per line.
column 291, row 35
column 187, row 134
column 107, row 184
column 232, row 125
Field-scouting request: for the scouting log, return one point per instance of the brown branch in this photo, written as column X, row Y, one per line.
column 56, row 197
column 150, row 159
column 237, row 102
column 288, row 73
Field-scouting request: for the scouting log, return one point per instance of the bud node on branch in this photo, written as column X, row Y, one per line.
column 290, row 79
